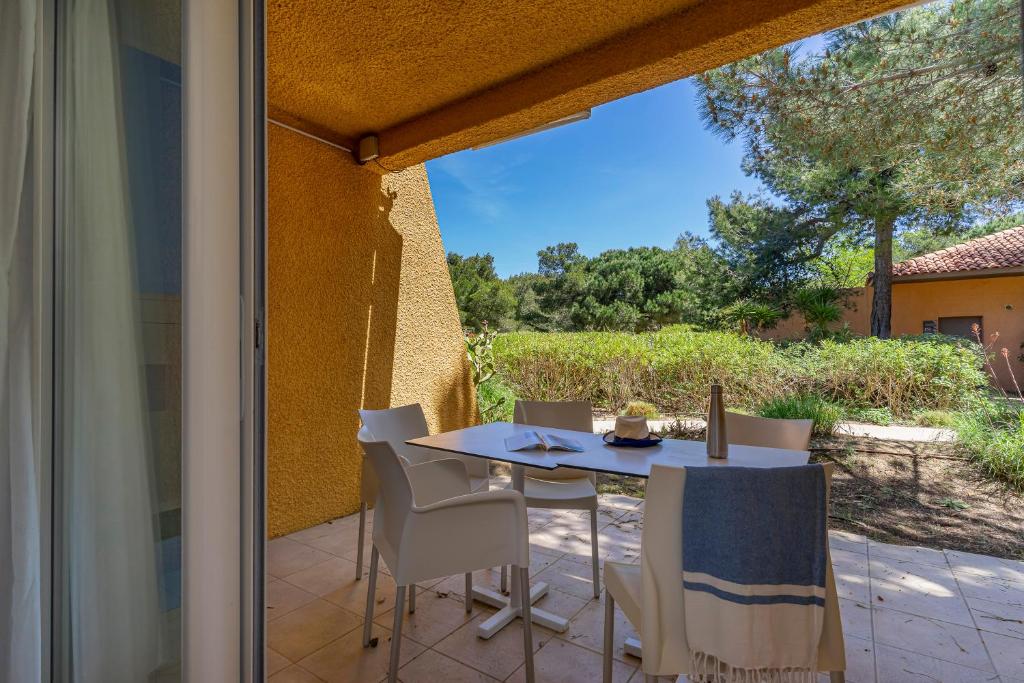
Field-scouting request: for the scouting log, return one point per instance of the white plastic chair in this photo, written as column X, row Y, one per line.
column 563, row 488
column 651, row 594
column 750, row 430
column 396, row 426
column 422, row 537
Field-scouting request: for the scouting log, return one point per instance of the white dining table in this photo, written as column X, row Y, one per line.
column 488, row 441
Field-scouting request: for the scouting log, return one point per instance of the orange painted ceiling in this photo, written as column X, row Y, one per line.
column 434, row 77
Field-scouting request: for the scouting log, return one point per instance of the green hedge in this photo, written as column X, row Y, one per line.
column 674, row 367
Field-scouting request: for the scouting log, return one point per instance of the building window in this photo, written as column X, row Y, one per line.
column 962, row 326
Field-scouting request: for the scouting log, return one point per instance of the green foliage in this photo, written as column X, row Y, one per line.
column 480, row 352
column 820, row 306
column 767, row 247
column 752, row 316
column 935, row 418
column 910, row 119
column 674, row 368
column 628, row 289
column 825, row 414
column 843, row 264
column 481, row 295
column 993, row 435
column 648, row 410
column 638, row 289
column 496, row 401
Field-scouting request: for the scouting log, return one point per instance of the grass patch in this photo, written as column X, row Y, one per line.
column 993, row 436
column 935, row 418
column 826, row 415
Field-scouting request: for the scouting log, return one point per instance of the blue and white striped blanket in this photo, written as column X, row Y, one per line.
column 754, row 568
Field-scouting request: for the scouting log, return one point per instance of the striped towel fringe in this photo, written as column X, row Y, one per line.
column 706, row 668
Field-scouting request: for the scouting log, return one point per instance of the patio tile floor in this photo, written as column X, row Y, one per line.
column 909, row 614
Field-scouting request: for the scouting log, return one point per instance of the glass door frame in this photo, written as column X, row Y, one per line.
column 223, row 383
column 224, row 279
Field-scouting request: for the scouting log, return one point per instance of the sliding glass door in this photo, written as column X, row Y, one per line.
column 131, row 206
column 118, row 396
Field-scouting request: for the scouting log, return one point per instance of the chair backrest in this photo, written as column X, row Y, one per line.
column 749, row 430
column 398, row 425
column 666, row 648
column 394, row 496
column 575, row 415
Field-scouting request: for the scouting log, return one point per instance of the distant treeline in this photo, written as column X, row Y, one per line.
column 698, row 281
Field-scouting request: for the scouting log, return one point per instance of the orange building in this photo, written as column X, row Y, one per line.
column 949, row 291
column 979, row 282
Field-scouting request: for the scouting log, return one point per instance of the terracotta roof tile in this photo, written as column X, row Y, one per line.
column 1000, row 250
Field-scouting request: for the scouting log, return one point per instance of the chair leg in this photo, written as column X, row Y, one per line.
column 609, row 636
column 524, row 583
column 593, row 553
column 837, row 676
column 371, row 595
column 396, row 635
column 504, row 579
column 469, row 592
column 412, row 598
column 362, row 539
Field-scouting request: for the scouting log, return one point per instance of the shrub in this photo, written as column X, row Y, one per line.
column 675, row 367
column 496, row 401
column 826, row 415
column 993, row 435
column 643, row 408
column 901, row 375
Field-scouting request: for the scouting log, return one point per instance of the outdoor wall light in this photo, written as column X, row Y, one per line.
column 369, row 148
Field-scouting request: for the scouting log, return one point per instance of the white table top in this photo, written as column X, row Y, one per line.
column 488, row 441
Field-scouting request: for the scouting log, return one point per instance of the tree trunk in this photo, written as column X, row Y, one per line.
column 881, row 300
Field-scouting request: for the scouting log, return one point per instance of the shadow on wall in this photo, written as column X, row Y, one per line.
column 333, row 278
column 360, row 314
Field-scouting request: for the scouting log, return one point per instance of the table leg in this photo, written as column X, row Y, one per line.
column 510, row 607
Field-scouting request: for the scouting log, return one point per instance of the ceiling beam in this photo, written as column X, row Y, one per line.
column 689, row 42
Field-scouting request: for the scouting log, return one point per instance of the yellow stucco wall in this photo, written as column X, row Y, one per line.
column 360, row 314
column 432, row 78
column 998, row 300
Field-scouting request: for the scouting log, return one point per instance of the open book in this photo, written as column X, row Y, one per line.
column 548, row 442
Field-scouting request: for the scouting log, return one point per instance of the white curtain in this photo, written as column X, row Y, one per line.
column 110, row 501
column 20, row 617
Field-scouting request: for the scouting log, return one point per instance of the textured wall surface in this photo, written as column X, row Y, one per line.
column 998, row 300
column 433, row 78
column 360, row 314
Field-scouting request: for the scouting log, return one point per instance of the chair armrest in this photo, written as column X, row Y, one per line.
column 437, row 480
column 464, row 534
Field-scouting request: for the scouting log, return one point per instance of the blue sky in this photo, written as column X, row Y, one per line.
column 637, row 173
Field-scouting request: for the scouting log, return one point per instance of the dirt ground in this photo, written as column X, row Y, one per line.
column 920, row 494
column 908, row 493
